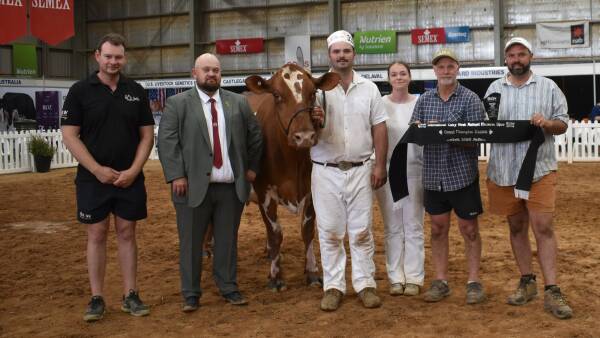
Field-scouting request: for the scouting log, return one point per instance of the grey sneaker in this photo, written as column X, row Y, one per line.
column 526, row 291
column 438, row 290
column 396, row 289
column 95, row 309
column 369, row 298
column 475, row 294
column 133, row 305
column 411, row 289
column 331, row 300
column 555, row 303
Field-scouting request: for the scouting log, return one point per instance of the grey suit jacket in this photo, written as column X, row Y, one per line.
column 185, row 150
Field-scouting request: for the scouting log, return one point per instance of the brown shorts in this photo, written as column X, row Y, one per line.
column 542, row 196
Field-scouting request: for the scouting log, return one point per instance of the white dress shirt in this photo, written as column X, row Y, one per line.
column 225, row 173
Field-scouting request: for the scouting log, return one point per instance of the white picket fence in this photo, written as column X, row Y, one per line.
column 15, row 158
column 581, row 143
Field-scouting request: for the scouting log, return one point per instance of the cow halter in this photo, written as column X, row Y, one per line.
column 308, row 109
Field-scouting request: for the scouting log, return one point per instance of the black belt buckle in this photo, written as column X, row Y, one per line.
column 344, row 165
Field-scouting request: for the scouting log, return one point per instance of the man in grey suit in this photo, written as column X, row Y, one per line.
column 210, row 145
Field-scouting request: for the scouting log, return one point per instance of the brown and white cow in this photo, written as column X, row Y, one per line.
column 283, row 107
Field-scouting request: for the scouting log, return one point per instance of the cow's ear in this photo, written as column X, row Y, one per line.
column 257, row 84
column 327, row 81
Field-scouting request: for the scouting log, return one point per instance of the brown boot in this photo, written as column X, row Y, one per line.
column 331, row 300
column 526, row 291
column 555, row 303
column 369, row 298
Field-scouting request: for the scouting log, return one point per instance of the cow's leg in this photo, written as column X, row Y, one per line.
column 313, row 278
column 268, row 211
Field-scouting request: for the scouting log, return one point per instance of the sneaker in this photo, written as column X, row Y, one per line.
column 526, row 291
column 438, row 290
column 133, row 305
column 235, row 298
column 95, row 309
column 192, row 304
column 475, row 294
column 555, row 303
column 369, row 298
column 396, row 289
column 331, row 300
column 411, row 289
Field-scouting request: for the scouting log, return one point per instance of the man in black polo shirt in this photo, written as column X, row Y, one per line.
column 108, row 126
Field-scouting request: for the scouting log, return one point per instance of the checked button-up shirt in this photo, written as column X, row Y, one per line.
column 448, row 167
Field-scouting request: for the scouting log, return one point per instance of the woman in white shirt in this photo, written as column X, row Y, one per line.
column 403, row 221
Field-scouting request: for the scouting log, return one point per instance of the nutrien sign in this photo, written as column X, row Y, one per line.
column 375, row 42
column 240, row 46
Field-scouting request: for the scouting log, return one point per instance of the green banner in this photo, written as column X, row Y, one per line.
column 375, row 42
column 24, row 60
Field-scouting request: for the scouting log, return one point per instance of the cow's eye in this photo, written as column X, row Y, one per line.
column 277, row 96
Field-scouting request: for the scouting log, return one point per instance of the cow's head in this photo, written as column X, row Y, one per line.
column 293, row 90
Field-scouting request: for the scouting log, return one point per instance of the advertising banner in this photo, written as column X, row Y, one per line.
column 375, row 42
column 52, row 21
column 13, row 20
column 297, row 50
column 457, row 34
column 563, row 34
column 437, row 35
column 240, row 46
column 24, row 59
column 424, row 36
column 46, row 106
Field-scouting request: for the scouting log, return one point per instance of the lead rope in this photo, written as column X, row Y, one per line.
column 324, row 100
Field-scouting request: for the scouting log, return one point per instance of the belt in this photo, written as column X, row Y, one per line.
column 343, row 165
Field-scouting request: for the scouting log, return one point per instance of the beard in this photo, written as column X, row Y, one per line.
column 208, row 87
column 524, row 69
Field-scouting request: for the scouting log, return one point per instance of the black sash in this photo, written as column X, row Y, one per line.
column 467, row 132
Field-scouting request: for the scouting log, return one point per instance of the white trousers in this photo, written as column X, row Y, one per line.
column 343, row 201
column 404, row 239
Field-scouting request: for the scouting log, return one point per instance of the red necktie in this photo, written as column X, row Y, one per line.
column 217, row 158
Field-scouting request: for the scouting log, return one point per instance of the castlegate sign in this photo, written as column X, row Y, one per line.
column 375, row 42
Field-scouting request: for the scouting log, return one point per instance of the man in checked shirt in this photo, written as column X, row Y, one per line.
column 451, row 176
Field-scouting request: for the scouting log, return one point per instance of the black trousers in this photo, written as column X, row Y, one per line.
column 223, row 209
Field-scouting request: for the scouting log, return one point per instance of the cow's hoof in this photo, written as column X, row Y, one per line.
column 314, row 281
column 277, row 285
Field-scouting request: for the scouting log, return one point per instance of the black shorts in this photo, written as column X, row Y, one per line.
column 96, row 200
column 466, row 202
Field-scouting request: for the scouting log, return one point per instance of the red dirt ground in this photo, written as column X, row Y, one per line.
column 44, row 287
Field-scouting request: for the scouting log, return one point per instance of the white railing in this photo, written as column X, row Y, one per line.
column 581, row 143
column 15, row 158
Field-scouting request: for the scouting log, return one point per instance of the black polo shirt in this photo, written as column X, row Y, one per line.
column 109, row 121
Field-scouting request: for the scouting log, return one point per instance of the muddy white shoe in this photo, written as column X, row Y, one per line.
column 411, row 289
column 369, row 298
column 331, row 300
column 396, row 289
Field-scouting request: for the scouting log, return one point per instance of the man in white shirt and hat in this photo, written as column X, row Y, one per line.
column 344, row 177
